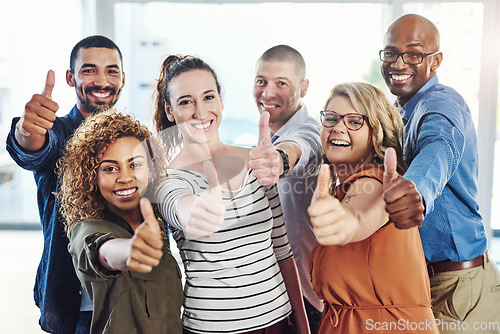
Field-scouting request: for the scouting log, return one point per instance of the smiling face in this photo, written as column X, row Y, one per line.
column 196, row 106
column 122, row 176
column 278, row 90
column 346, row 149
column 98, row 79
column 410, row 33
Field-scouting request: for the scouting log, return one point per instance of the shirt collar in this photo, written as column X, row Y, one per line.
column 115, row 219
column 76, row 116
column 410, row 105
column 299, row 117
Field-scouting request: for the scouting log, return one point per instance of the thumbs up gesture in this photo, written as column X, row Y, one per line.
column 38, row 117
column 146, row 244
column 265, row 161
column 332, row 224
column 404, row 204
column 203, row 215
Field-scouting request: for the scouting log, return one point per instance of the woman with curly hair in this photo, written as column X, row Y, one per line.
column 117, row 242
column 371, row 276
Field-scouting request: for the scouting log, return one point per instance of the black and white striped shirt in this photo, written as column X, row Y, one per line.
column 233, row 281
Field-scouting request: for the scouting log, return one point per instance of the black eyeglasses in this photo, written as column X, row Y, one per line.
column 351, row 121
column 410, row 58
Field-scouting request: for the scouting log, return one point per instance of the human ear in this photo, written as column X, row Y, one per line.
column 70, row 79
column 436, row 61
column 303, row 88
column 168, row 113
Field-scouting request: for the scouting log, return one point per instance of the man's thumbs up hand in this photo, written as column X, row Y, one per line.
column 40, row 111
column 265, row 160
column 403, row 201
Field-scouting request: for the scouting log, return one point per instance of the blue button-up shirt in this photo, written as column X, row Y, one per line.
column 57, row 289
column 441, row 150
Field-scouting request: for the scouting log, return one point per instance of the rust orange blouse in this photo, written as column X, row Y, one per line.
column 377, row 285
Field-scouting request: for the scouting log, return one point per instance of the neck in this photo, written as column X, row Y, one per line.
column 133, row 217
column 195, row 152
column 84, row 113
column 274, row 127
column 401, row 102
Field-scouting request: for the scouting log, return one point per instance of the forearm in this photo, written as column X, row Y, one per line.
column 114, row 254
column 28, row 141
column 168, row 193
column 290, row 275
column 367, row 224
column 365, row 209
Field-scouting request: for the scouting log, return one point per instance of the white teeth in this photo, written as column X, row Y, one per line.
column 125, row 192
column 269, row 106
column 401, row 77
column 201, row 126
column 101, row 95
column 339, row 142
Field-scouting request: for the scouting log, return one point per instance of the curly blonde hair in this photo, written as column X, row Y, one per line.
column 384, row 120
column 79, row 196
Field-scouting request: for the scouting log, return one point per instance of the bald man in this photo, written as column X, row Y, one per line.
column 289, row 153
column 438, row 191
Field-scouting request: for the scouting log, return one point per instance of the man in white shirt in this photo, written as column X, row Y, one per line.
column 289, row 153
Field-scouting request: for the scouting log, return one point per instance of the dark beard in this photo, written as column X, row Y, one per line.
column 93, row 109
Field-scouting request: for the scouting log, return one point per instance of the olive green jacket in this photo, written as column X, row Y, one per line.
column 129, row 301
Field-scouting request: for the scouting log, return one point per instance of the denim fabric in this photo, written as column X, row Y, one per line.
column 57, row 289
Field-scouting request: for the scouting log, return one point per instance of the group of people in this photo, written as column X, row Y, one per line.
column 365, row 223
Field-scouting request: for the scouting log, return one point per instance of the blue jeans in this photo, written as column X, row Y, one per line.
column 83, row 325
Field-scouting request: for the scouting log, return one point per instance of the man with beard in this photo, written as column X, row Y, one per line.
column 289, row 154
column 36, row 141
column 440, row 196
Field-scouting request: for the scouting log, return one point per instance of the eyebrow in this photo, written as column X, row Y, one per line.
column 87, row 65
column 278, row 78
column 392, row 47
column 116, row 162
column 205, row 92
column 414, row 44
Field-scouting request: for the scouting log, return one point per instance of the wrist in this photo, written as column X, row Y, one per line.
column 285, row 160
column 21, row 130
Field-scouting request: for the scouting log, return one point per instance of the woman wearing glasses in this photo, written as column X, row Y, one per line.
column 371, row 276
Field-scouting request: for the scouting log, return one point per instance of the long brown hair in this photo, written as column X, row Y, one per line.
column 172, row 66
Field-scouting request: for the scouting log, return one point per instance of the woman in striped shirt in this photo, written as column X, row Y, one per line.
column 240, row 273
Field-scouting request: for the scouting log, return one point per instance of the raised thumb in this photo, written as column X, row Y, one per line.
column 149, row 216
column 390, row 168
column 264, row 137
column 49, row 84
column 210, row 172
column 324, row 181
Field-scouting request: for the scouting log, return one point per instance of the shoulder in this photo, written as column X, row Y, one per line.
column 444, row 101
column 181, row 179
column 366, row 185
column 92, row 233
column 368, row 180
column 371, row 171
column 300, row 125
column 94, row 226
column 181, row 175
